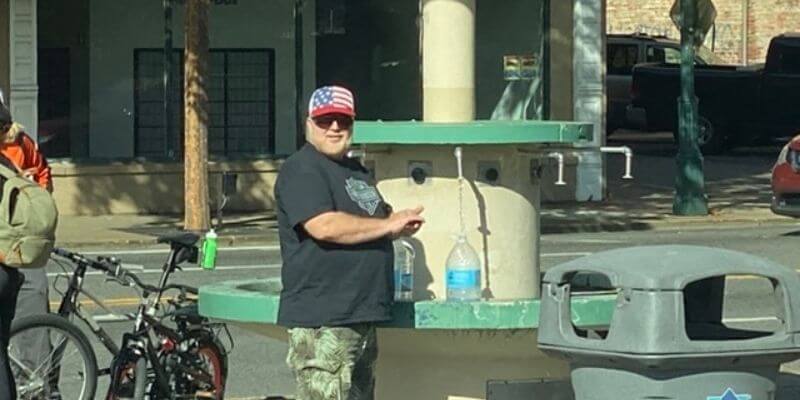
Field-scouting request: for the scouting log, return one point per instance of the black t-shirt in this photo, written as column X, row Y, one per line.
column 329, row 284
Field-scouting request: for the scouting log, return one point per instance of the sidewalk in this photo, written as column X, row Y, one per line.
column 737, row 187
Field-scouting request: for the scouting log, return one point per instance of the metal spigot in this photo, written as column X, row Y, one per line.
column 628, row 157
column 560, row 157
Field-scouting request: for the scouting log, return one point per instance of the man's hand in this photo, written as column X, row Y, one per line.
column 405, row 222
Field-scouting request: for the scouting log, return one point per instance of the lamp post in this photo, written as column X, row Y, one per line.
column 690, row 198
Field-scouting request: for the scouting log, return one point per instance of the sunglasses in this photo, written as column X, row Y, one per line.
column 325, row 121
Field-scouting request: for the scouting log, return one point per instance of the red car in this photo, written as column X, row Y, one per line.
column 786, row 180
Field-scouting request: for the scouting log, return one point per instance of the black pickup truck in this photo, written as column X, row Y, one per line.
column 737, row 105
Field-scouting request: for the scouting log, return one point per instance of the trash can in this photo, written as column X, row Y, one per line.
column 667, row 338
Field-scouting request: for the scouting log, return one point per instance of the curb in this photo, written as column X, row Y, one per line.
column 554, row 226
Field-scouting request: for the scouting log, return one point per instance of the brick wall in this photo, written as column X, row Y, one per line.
column 648, row 16
column 768, row 18
column 764, row 19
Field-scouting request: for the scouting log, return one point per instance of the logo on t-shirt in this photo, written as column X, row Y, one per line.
column 363, row 194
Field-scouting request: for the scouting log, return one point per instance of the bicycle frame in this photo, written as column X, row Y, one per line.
column 139, row 342
column 70, row 306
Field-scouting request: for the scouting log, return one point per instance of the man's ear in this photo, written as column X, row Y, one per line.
column 309, row 127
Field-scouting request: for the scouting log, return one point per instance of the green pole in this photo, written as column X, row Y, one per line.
column 690, row 198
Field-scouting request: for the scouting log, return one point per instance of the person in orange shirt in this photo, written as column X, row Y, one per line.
column 22, row 151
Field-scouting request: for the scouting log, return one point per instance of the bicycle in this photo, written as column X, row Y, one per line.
column 159, row 362
column 70, row 369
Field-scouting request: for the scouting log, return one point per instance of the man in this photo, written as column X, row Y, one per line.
column 336, row 236
column 10, row 281
column 23, row 151
column 20, row 152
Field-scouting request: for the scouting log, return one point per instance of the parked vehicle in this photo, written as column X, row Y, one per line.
column 70, row 371
column 159, row 361
column 786, row 180
column 737, row 105
column 623, row 51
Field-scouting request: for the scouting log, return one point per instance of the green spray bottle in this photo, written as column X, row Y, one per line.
column 208, row 261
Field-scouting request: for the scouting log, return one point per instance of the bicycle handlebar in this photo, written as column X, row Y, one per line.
column 183, row 288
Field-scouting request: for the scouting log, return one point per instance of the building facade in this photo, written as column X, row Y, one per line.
column 92, row 80
column 742, row 31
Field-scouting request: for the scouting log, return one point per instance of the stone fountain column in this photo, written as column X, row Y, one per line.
column 448, row 60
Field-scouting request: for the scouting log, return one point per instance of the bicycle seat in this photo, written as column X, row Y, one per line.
column 186, row 239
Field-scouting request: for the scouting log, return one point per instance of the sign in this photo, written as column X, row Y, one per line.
column 520, row 67
column 706, row 14
column 730, row 395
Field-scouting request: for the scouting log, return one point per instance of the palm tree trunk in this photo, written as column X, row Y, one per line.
column 196, row 116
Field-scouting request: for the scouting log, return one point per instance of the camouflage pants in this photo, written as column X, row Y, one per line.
column 333, row 363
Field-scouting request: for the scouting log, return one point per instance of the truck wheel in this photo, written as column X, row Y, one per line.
column 710, row 139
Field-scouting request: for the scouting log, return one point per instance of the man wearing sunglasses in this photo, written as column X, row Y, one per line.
column 336, row 235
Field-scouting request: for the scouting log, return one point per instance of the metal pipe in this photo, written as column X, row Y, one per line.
column 362, row 152
column 111, row 318
column 628, row 157
column 553, row 154
column 560, row 157
column 357, row 153
column 457, row 153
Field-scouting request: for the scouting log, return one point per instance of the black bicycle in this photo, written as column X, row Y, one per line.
column 69, row 370
column 157, row 361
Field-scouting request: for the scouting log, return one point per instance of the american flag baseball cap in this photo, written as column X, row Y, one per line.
column 331, row 99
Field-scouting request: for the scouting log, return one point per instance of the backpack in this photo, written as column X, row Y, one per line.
column 28, row 219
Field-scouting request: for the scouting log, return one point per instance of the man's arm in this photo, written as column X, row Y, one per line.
column 342, row 228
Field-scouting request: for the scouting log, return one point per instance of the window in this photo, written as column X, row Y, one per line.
column 671, row 55
column 621, row 58
column 667, row 55
column 54, row 102
column 241, row 103
column 789, row 60
column 152, row 138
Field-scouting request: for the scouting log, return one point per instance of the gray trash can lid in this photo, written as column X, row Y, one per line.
column 670, row 267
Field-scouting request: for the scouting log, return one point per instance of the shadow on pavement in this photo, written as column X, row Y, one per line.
column 244, row 225
column 737, row 185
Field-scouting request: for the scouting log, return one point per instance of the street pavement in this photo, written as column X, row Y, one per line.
column 737, row 185
column 637, row 212
column 256, row 362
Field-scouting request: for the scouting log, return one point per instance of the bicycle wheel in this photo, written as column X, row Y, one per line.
column 140, row 379
column 129, row 381
column 210, row 357
column 51, row 359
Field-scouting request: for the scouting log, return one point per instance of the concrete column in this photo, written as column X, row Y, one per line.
column 560, row 59
column 4, row 47
column 24, row 94
column 589, row 93
column 448, row 60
